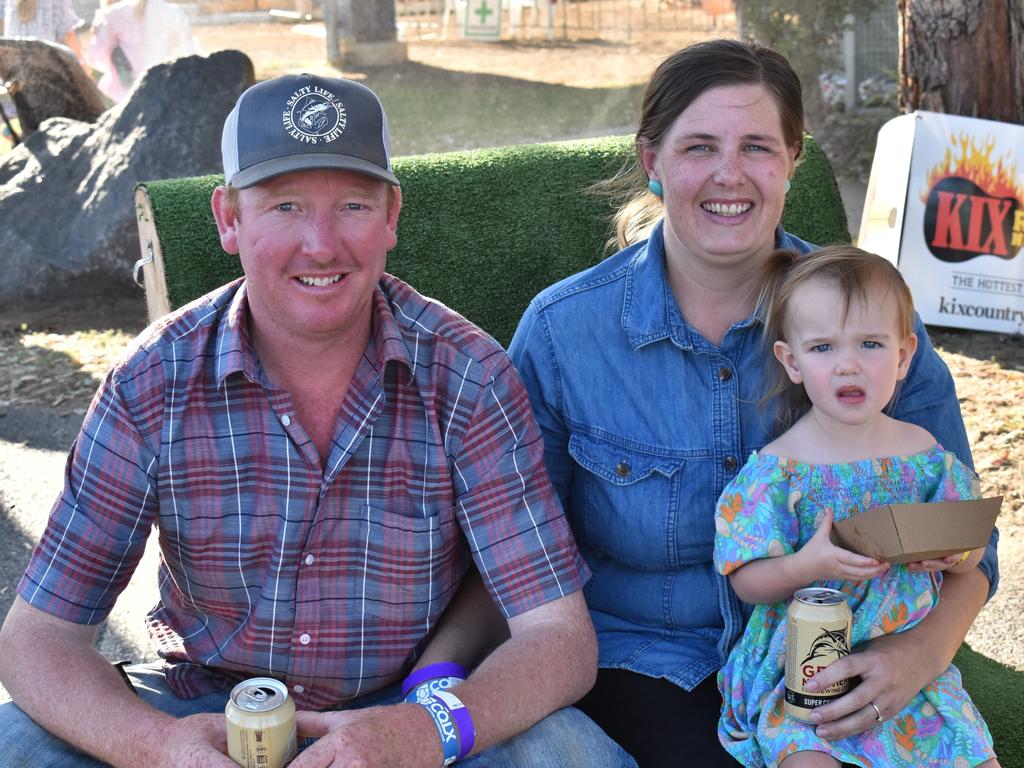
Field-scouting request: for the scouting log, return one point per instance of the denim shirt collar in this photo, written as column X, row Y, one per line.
column 650, row 312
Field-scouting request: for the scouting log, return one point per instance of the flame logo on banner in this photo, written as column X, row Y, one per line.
column 973, row 206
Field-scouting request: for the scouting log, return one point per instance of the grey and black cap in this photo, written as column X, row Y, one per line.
column 305, row 122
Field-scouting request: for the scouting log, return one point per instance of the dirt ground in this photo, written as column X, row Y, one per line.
column 278, row 48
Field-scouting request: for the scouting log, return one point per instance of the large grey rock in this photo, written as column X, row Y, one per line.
column 46, row 80
column 66, row 194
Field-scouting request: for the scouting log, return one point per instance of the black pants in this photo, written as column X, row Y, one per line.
column 658, row 723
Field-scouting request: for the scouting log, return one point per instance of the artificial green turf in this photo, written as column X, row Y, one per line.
column 998, row 691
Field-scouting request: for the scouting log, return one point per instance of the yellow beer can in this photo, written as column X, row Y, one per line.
column 261, row 724
column 818, row 623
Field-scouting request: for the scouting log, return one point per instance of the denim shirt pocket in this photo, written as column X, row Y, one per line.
column 629, row 497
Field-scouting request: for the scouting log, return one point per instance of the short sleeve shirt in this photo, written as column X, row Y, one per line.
column 327, row 576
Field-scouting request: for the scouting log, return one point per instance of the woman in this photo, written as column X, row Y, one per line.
column 130, row 36
column 645, row 373
column 53, row 20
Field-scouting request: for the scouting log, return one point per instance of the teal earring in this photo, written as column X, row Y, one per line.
column 788, row 185
column 655, row 188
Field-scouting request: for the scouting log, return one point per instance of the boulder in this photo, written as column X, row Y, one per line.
column 66, row 193
column 46, row 80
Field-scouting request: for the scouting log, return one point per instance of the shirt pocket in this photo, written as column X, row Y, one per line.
column 411, row 565
column 629, row 500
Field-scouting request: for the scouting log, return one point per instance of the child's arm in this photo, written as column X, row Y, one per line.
column 772, row 579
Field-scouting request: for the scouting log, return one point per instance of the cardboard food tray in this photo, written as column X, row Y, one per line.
column 906, row 533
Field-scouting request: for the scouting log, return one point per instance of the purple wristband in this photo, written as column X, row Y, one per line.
column 463, row 722
column 432, row 671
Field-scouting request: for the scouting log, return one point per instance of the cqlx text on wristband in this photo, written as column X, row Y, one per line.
column 445, row 725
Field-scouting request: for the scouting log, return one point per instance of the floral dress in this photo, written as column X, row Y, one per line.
column 770, row 509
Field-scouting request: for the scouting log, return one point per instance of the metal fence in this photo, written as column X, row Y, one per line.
column 613, row 20
column 878, row 44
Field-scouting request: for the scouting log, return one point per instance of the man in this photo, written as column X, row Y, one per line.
column 325, row 455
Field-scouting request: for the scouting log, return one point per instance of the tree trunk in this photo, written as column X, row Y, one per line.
column 963, row 57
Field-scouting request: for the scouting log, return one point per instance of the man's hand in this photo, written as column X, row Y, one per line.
column 400, row 735
column 196, row 741
column 891, row 675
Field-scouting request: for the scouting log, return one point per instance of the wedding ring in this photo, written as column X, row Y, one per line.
column 878, row 712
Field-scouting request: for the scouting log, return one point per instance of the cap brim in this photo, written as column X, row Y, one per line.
column 279, row 166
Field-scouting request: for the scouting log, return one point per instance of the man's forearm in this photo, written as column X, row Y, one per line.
column 549, row 662
column 72, row 691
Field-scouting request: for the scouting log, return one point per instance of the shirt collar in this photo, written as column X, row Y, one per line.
column 388, row 337
column 235, row 353
column 650, row 312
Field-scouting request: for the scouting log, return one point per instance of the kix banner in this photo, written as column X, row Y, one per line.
column 945, row 202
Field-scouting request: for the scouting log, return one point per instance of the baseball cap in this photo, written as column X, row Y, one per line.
column 305, row 122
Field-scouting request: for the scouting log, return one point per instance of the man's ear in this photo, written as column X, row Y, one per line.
column 226, row 216
column 785, row 356
column 394, row 208
column 907, row 349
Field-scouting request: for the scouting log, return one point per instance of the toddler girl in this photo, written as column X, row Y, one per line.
column 841, row 323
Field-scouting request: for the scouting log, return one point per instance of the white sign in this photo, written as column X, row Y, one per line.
column 483, row 19
column 945, row 203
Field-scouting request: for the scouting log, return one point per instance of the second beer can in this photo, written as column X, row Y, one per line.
column 261, row 724
column 818, row 624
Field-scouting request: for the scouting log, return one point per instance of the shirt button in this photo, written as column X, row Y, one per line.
column 299, row 689
column 724, row 373
column 286, row 420
column 622, row 469
column 310, row 559
column 731, row 463
column 304, row 638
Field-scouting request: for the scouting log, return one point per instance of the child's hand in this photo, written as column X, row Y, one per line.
column 822, row 560
column 956, row 563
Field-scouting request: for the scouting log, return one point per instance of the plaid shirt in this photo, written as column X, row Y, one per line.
column 328, row 577
column 52, row 21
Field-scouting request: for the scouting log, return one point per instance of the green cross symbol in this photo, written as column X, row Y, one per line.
column 483, row 12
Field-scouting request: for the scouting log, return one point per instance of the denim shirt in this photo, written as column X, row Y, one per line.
column 644, row 423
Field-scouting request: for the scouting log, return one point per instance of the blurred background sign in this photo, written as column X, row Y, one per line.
column 945, row 202
column 483, row 19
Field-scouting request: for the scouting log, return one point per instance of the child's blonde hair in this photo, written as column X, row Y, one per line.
column 859, row 275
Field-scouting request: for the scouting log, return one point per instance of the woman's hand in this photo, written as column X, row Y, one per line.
column 891, row 674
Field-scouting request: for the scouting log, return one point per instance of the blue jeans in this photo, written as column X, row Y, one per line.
column 565, row 739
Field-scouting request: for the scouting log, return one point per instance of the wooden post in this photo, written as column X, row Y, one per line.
column 361, row 33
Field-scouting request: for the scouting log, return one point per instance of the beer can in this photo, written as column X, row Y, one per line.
column 818, row 623
column 261, row 724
